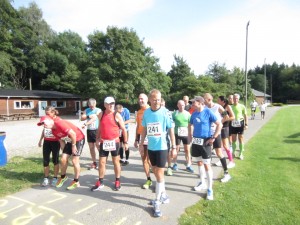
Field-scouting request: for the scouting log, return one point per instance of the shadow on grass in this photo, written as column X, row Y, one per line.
column 286, row 158
column 294, row 135
column 292, row 141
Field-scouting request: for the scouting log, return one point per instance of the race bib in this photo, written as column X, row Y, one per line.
column 236, row 123
column 109, row 145
column 182, row 131
column 67, row 139
column 48, row 133
column 154, row 129
column 91, row 126
column 198, row 141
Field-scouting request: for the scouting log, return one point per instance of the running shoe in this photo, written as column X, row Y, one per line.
column 175, row 167
column 117, row 185
column 148, row 184
column 45, row 182
column 230, row 165
column 61, row 181
column 73, row 185
column 156, row 209
column 189, row 169
column 97, row 186
column 54, row 182
column 210, row 194
column 218, row 163
column 226, row 178
column 241, row 157
column 200, row 186
column 169, row 171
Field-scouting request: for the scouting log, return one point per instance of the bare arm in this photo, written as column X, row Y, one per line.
column 72, row 136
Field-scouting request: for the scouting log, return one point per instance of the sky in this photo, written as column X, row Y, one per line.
column 202, row 32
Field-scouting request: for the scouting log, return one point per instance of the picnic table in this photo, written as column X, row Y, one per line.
column 17, row 116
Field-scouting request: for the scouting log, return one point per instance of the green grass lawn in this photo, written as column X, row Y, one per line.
column 20, row 173
column 265, row 188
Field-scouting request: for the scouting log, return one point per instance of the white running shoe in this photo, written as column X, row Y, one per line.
column 226, row 178
column 210, row 194
column 218, row 163
column 200, row 186
column 230, row 165
column 45, row 182
column 241, row 157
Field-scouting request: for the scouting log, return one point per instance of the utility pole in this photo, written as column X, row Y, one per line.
column 246, row 78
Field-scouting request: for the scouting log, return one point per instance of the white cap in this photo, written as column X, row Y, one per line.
column 109, row 100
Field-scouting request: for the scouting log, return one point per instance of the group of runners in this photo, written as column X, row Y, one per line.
column 199, row 124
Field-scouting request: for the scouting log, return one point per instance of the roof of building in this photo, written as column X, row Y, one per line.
column 36, row 94
column 259, row 93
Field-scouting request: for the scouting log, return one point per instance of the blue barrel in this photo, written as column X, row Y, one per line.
column 3, row 154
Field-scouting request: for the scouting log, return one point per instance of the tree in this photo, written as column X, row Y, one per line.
column 179, row 70
column 121, row 66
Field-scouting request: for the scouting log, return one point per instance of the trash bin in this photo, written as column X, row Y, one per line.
column 3, row 154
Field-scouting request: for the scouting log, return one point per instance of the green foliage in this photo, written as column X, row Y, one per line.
column 121, row 66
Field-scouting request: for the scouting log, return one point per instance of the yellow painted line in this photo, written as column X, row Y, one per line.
column 3, row 202
column 60, row 196
column 51, row 210
column 86, row 208
column 121, row 221
column 74, row 222
column 2, row 216
column 22, row 200
column 26, row 219
column 50, row 221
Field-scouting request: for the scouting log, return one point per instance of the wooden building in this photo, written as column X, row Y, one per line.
column 260, row 96
column 33, row 102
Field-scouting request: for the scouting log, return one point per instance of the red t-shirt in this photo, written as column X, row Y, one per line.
column 109, row 128
column 63, row 127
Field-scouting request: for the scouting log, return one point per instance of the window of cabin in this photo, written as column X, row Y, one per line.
column 58, row 104
column 23, row 105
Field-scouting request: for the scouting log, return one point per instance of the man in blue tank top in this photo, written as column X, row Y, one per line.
column 91, row 116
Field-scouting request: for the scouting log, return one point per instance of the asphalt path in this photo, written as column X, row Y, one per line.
column 38, row 205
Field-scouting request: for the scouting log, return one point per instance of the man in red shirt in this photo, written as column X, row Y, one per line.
column 72, row 141
column 108, row 141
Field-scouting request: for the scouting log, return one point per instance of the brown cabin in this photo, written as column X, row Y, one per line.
column 21, row 103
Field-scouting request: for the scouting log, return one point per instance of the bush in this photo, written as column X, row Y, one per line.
column 277, row 104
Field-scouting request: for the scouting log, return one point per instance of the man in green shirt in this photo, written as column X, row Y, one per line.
column 238, row 125
column 181, row 119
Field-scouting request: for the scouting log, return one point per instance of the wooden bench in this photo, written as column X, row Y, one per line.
column 3, row 117
column 17, row 116
column 25, row 115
